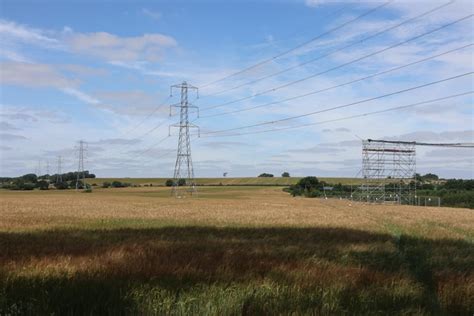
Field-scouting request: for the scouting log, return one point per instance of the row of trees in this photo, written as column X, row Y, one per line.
column 269, row 175
column 31, row 181
column 453, row 192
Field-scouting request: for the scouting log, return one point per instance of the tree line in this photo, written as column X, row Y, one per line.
column 32, row 181
column 453, row 192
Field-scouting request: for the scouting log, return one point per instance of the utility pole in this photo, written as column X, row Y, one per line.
column 80, row 167
column 38, row 168
column 47, row 167
column 183, row 171
column 59, row 177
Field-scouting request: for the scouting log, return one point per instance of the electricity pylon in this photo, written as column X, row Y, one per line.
column 80, row 167
column 59, row 177
column 183, row 171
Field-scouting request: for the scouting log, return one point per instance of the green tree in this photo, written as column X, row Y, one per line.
column 61, row 185
column 116, row 184
column 285, row 174
column 42, row 185
column 169, row 183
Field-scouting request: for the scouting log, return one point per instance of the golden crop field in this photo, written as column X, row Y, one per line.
column 230, row 250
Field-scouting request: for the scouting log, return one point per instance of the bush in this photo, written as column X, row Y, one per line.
column 61, row 185
column 169, row 183
column 116, row 184
column 308, row 186
column 106, row 184
column 181, row 182
column 266, row 175
column 42, row 185
column 285, row 174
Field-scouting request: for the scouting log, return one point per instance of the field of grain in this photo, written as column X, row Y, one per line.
column 231, row 250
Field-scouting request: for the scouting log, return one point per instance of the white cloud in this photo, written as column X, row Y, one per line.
column 81, row 95
column 148, row 47
column 33, row 75
column 11, row 137
column 152, row 14
column 5, row 126
column 41, row 76
column 12, row 31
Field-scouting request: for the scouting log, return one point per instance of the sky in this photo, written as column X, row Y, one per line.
column 101, row 71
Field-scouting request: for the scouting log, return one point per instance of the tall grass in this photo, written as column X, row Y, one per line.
column 208, row 270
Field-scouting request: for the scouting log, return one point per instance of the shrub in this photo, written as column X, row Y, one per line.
column 285, row 174
column 308, row 186
column 61, row 185
column 116, row 184
column 169, row 183
column 42, row 185
column 266, row 175
column 106, row 184
column 181, row 182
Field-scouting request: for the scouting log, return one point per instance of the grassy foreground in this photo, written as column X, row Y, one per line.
column 231, row 250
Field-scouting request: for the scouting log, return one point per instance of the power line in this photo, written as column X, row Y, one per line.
column 344, row 105
column 347, row 117
column 456, row 145
column 298, row 46
column 340, row 85
column 153, row 146
column 340, row 66
column 335, row 51
column 162, row 104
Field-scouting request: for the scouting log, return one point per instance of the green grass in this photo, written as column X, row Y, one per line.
column 217, row 271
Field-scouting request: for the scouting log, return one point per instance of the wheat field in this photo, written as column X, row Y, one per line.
column 229, row 251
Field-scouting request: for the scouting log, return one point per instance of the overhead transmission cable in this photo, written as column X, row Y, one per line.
column 263, row 62
column 346, row 117
column 343, row 105
column 341, row 65
column 342, row 84
column 356, row 42
column 162, row 104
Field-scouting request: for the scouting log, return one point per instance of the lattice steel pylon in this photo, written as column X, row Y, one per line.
column 59, row 177
column 183, row 178
column 80, row 168
column 388, row 169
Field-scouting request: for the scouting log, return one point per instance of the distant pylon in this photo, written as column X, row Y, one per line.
column 38, row 168
column 47, row 167
column 59, row 177
column 183, row 171
column 80, row 167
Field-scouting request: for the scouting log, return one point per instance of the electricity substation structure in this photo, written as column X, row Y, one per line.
column 183, row 178
column 82, row 148
column 389, row 168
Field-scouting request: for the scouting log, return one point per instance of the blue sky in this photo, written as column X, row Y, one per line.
column 95, row 70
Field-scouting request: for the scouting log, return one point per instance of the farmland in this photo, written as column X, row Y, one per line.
column 230, row 250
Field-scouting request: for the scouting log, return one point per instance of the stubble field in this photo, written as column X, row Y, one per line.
column 231, row 250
